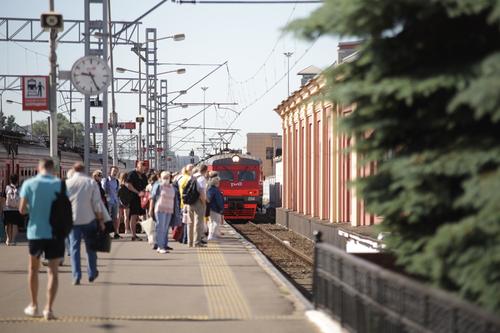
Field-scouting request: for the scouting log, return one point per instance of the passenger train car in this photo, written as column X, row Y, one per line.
column 20, row 156
column 241, row 184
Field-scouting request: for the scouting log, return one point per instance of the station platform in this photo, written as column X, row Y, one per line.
column 225, row 287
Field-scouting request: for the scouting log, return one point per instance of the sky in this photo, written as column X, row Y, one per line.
column 249, row 37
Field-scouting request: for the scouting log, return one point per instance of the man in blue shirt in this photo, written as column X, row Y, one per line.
column 37, row 195
column 110, row 186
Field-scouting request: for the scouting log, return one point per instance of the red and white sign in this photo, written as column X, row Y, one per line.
column 35, row 93
column 125, row 125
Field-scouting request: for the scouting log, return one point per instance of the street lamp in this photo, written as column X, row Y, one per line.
column 288, row 55
column 123, row 70
column 204, row 93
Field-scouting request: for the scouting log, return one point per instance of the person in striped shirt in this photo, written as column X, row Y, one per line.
column 161, row 206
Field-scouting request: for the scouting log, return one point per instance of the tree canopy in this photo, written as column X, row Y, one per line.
column 426, row 87
column 64, row 129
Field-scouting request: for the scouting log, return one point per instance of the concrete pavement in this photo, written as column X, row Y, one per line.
column 221, row 288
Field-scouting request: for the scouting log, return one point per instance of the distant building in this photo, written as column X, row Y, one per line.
column 265, row 146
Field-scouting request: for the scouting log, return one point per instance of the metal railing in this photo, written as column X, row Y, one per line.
column 365, row 297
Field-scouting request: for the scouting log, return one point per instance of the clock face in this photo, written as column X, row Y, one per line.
column 91, row 75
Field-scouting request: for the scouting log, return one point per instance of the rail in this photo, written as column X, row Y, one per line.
column 299, row 254
column 364, row 297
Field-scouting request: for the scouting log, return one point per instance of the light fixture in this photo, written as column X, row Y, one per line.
column 181, row 71
column 235, row 158
column 179, row 37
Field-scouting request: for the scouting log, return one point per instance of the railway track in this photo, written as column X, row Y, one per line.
column 295, row 265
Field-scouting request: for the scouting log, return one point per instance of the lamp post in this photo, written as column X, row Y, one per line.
column 181, row 92
column 138, row 47
column 288, row 55
column 204, row 94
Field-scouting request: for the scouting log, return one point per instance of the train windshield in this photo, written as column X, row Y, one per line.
column 246, row 175
column 225, row 174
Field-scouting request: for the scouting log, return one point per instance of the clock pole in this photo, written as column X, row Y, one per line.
column 53, row 94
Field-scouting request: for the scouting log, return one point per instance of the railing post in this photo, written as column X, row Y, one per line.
column 317, row 239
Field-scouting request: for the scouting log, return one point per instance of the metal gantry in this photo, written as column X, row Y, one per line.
column 163, row 128
column 123, row 85
column 29, row 30
column 151, row 61
column 97, row 24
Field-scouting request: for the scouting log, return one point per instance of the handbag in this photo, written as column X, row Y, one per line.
column 102, row 242
column 145, row 200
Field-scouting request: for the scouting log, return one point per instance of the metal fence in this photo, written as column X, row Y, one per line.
column 365, row 297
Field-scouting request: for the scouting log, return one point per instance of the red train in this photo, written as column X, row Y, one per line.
column 241, row 184
column 20, row 156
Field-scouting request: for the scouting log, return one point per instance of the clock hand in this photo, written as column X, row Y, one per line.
column 93, row 80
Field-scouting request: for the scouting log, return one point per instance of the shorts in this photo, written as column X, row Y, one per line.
column 113, row 211
column 52, row 248
column 13, row 217
column 135, row 206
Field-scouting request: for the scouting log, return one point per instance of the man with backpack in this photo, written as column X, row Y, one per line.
column 110, row 185
column 194, row 194
column 37, row 195
column 12, row 219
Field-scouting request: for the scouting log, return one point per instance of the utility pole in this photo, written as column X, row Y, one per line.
column 204, row 93
column 288, row 55
column 53, row 93
column 114, row 116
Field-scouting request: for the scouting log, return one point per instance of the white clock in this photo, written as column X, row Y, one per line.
column 91, row 75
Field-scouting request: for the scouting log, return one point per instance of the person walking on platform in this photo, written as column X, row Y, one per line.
column 198, row 209
column 11, row 216
column 162, row 207
column 110, row 186
column 124, row 196
column 216, row 204
column 37, row 195
column 188, row 223
column 136, row 183
column 87, row 217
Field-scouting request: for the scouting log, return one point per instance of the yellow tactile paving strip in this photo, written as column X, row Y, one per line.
column 224, row 297
column 82, row 319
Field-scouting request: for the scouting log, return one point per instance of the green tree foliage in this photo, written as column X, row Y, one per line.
column 426, row 87
column 64, row 129
column 10, row 124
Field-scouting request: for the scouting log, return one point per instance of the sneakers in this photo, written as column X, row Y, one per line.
column 76, row 282
column 162, row 251
column 31, row 311
column 116, row 236
column 169, row 248
column 91, row 279
column 155, row 247
column 48, row 315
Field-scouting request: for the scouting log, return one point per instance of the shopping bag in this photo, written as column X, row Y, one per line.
column 177, row 234
column 148, row 226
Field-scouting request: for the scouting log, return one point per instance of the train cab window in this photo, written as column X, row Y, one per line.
column 246, row 175
column 225, row 174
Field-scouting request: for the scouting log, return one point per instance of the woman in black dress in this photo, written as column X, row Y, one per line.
column 136, row 183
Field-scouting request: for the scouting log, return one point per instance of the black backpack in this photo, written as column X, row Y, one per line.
column 61, row 214
column 124, row 195
column 190, row 193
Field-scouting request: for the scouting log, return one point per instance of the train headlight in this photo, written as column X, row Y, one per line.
column 236, row 158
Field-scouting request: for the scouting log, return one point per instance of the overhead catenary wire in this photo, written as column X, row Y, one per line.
column 256, row 100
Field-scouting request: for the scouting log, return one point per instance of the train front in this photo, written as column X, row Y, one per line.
column 241, row 184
